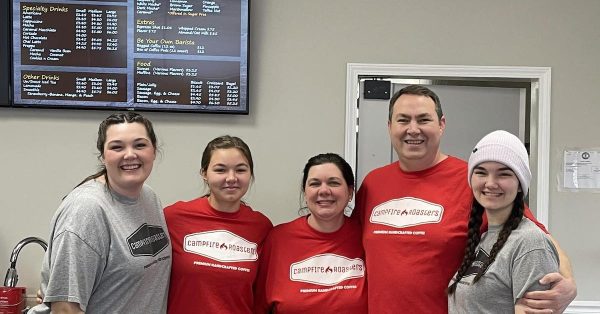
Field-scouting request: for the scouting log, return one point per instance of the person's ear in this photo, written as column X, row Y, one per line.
column 442, row 123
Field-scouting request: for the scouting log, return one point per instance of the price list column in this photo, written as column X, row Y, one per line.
column 201, row 71
column 72, row 41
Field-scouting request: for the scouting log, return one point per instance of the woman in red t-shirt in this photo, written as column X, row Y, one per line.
column 217, row 238
column 316, row 262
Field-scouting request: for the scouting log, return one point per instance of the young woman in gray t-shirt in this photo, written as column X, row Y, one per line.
column 500, row 265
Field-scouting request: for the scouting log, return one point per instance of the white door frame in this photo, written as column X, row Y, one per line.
column 540, row 74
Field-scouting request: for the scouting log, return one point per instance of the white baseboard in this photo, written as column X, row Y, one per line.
column 586, row 307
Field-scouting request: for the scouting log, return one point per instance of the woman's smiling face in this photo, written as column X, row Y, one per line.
column 327, row 193
column 495, row 186
column 128, row 156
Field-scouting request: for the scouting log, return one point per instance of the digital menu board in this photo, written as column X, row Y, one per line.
column 169, row 55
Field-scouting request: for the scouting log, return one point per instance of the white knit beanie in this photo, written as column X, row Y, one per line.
column 505, row 148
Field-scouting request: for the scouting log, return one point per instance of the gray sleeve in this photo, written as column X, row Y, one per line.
column 75, row 267
column 529, row 268
column 78, row 250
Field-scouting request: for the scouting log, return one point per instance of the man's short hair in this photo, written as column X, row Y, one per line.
column 418, row 90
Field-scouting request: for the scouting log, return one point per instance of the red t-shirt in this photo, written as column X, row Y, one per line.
column 215, row 257
column 306, row 271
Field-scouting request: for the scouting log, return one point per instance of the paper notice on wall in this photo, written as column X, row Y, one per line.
column 581, row 169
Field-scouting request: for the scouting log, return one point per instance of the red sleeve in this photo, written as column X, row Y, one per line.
column 527, row 213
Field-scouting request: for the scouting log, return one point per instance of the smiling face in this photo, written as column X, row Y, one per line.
column 495, row 187
column 128, row 156
column 415, row 132
column 228, row 177
column 327, row 194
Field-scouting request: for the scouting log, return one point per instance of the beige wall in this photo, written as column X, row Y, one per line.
column 299, row 51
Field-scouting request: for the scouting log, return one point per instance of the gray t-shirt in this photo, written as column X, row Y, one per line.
column 109, row 253
column 526, row 257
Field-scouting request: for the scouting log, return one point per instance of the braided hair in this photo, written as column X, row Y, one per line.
column 474, row 237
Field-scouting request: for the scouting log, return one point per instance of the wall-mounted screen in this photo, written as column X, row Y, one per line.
column 167, row 55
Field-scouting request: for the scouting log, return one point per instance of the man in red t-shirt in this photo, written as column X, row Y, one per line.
column 415, row 213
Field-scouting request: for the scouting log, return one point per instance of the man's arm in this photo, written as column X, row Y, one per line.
column 563, row 289
column 565, row 264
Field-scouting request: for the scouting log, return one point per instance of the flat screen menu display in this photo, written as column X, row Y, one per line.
column 179, row 55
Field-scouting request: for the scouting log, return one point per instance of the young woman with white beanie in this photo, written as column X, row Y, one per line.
column 500, row 265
